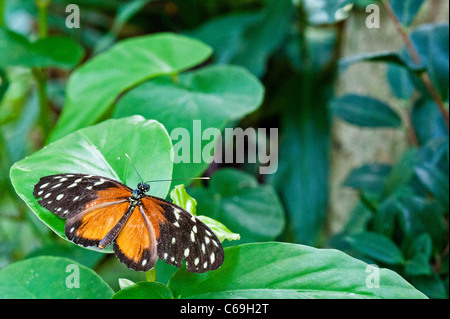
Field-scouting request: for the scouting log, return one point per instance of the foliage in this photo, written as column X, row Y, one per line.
column 78, row 100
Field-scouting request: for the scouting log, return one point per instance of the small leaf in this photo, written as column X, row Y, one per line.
column 219, row 229
column 181, row 198
column 145, row 290
column 326, row 11
column 125, row 283
column 432, row 44
column 393, row 58
column 377, row 247
column 51, row 278
column 365, row 111
column 419, row 256
column 427, row 121
column 370, row 177
column 406, row 10
column 435, row 181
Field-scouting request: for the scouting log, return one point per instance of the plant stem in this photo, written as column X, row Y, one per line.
column 40, row 74
column 42, row 6
column 151, row 275
column 415, row 56
column 44, row 111
column 2, row 13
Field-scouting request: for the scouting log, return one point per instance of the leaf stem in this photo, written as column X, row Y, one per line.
column 2, row 13
column 40, row 74
column 42, row 17
column 150, row 275
column 415, row 56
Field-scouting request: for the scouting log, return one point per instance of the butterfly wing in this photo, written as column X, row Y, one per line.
column 92, row 205
column 180, row 235
column 135, row 246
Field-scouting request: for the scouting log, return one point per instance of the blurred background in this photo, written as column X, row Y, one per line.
column 359, row 95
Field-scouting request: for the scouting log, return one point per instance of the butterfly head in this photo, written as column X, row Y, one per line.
column 143, row 187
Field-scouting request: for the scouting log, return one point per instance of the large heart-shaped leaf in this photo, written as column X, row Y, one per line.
column 281, row 270
column 99, row 150
column 237, row 200
column 94, row 87
column 59, row 52
column 212, row 96
column 51, row 278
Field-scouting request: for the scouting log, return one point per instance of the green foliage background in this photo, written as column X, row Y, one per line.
column 77, row 100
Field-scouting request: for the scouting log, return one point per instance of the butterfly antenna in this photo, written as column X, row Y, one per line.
column 177, row 179
column 134, row 167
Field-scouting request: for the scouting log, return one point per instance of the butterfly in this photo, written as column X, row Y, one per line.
column 100, row 211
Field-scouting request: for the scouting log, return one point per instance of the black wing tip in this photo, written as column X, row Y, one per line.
column 144, row 264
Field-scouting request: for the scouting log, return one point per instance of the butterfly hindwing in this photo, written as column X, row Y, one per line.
column 135, row 246
column 90, row 226
column 183, row 236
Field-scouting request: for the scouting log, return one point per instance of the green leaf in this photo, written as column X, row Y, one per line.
column 432, row 44
column 181, row 198
column 406, row 10
column 419, row 253
column 145, row 290
column 302, row 179
column 241, row 39
column 219, row 229
column 435, row 181
column 400, row 81
column 95, row 86
column 369, row 177
column 377, row 247
column 393, row 58
column 85, row 257
column 51, row 278
column 428, row 122
column 211, row 96
column 281, row 270
column 327, row 11
column 418, row 216
column 58, row 52
column 99, row 150
column 237, row 200
column 365, row 111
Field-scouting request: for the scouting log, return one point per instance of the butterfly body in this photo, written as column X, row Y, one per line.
column 100, row 211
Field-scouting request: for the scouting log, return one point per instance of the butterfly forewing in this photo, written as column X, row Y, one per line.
column 66, row 195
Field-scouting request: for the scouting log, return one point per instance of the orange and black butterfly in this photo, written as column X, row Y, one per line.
column 100, row 211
